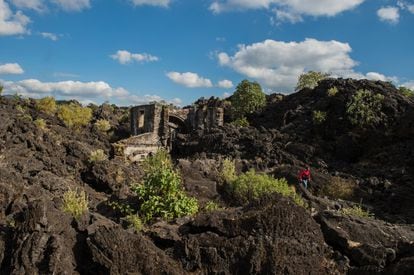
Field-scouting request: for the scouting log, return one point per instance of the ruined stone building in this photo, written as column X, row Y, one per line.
column 155, row 126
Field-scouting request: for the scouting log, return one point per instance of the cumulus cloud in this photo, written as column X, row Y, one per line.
column 389, row 14
column 36, row 5
column 290, row 10
column 12, row 23
column 409, row 85
column 190, row 80
column 11, row 68
column 72, row 5
column 125, row 57
column 226, row 84
column 160, row 3
column 51, row 36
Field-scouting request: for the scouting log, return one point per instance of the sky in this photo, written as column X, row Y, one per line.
column 131, row 52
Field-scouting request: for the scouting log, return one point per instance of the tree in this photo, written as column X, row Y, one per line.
column 247, row 98
column 310, row 80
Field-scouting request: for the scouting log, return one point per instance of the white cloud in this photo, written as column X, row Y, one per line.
column 389, row 14
column 190, row 80
column 381, row 77
column 226, row 84
column 12, row 23
column 36, row 5
column 125, row 57
column 290, row 10
column 72, row 5
column 65, row 75
column 160, row 3
column 11, row 68
column 409, row 85
column 411, row 8
column 51, row 36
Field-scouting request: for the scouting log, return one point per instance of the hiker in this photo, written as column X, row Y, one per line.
column 305, row 177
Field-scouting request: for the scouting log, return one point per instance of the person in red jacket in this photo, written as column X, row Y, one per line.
column 305, row 177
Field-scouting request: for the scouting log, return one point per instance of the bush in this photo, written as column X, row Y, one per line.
column 406, row 92
column 240, row 122
column 103, row 125
column 310, row 80
column 97, row 156
column 332, row 91
column 40, row 123
column 75, row 116
column 247, row 98
column 20, row 109
column 135, row 222
column 161, row 193
column 75, row 203
column 318, row 117
column 357, row 211
column 228, row 171
column 364, row 108
column 250, row 185
column 1, row 90
column 211, row 206
column 339, row 188
column 46, row 105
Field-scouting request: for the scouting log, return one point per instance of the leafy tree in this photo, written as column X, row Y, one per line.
column 364, row 108
column 310, row 80
column 247, row 98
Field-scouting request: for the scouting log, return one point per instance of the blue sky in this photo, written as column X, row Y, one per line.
column 135, row 51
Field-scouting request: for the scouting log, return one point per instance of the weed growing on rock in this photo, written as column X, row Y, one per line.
column 103, row 125
column 75, row 203
column 135, row 222
column 40, row 123
column 406, row 92
column 228, row 170
column 319, row 117
column 75, row 116
column 1, row 90
column 310, row 80
column 339, row 188
column 97, row 156
column 364, row 108
column 332, row 91
column 211, row 206
column 241, row 122
column 46, row 105
column 20, row 109
column 357, row 211
column 161, row 192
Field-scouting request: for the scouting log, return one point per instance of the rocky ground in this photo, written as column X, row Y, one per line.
column 271, row 235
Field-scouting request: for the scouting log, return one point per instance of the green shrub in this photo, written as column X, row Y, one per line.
column 103, row 125
column 318, row 117
column 332, row 91
column 406, row 92
column 27, row 117
column 75, row 203
column 247, row 98
column 1, row 90
column 364, row 108
column 241, row 122
column 251, row 185
column 40, row 123
column 161, row 193
column 75, row 116
column 135, row 222
column 357, row 211
column 228, row 170
column 310, row 80
column 211, row 206
column 97, row 156
column 46, row 105
column 20, row 109
column 339, row 188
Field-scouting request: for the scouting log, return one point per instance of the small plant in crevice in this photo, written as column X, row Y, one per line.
column 357, row 211
column 364, row 108
column 102, row 125
column 75, row 202
column 319, row 117
column 97, row 156
column 339, row 188
column 241, row 122
column 40, row 123
column 135, row 222
column 211, row 206
column 332, row 91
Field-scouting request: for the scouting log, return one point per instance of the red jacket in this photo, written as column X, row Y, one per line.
column 305, row 174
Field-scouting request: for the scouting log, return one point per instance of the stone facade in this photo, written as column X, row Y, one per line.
column 155, row 126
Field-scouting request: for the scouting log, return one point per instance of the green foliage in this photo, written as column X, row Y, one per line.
column 211, row 206
column 332, row 91
column 318, row 117
column 103, row 125
column 247, row 98
column 1, row 90
column 228, row 170
column 364, row 108
column 310, row 80
column 46, row 105
column 27, row 117
column 161, row 193
column 20, row 109
column 135, row 222
column 339, row 188
column 251, row 185
column 406, row 92
column 241, row 122
column 75, row 203
column 357, row 211
column 97, row 156
column 40, row 123
column 75, row 116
